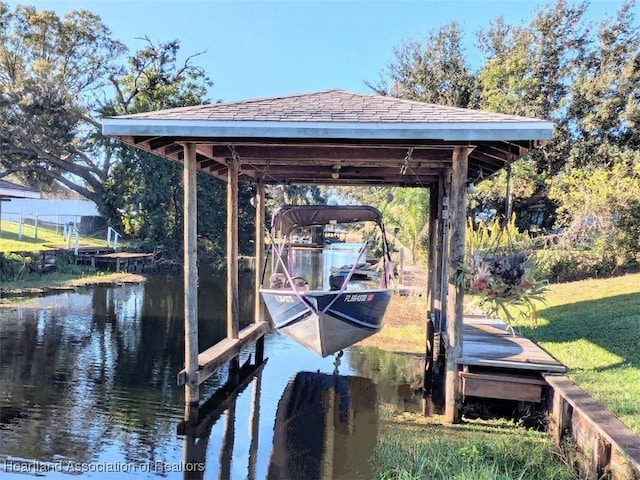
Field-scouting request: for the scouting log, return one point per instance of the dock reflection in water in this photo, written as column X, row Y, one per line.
column 198, row 423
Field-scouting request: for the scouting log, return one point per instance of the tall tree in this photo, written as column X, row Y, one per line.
column 145, row 190
column 50, row 68
column 604, row 107
column 58, row 76
column 529, row 70
column 433, row 69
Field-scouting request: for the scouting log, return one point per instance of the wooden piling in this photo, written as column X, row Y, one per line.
column 192, row 390
column 455, row 297
column 440, row 296
column 259, row 241
column 431, row 294
column 233, row 306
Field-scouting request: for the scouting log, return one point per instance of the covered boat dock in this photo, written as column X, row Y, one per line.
column 333, row 137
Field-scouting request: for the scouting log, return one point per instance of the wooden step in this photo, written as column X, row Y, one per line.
column 502, row 386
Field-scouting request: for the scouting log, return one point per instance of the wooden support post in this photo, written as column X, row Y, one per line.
column 233, row 308
column 259, row 241
column 435, row 199
column 192, row 390
column 440, row 296
column 455, row 297
column 428, row 408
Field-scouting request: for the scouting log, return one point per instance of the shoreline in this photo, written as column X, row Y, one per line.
column 43, row 285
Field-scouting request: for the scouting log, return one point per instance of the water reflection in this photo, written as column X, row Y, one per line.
column 199, row 422
column 325, row 428
column 88, row 384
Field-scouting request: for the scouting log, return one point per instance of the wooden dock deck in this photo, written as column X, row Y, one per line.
column 123, row 260
column 497, row 363
column 488, row 342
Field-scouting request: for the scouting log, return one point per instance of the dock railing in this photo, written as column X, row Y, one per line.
column 111, row 232
column 70, row 230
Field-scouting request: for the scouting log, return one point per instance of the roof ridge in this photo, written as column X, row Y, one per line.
column 279, row 97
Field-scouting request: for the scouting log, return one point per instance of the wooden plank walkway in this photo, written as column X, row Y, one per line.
column 489, row 342
column 123, row 260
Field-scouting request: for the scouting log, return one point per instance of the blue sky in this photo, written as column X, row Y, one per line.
column 267, row 48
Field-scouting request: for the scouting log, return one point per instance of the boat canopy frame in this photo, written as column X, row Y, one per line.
column 287, row 218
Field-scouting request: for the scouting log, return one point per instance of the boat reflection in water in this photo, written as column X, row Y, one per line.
column 325, row 428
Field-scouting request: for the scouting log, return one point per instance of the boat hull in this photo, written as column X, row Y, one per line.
column 327, row 322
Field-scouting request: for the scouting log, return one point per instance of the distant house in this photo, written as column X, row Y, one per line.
column 9, row 190
column 26, row 205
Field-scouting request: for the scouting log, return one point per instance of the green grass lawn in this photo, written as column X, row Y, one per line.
column 9, row 241
column 416, row 447
column 66, row 274
column 593, row 327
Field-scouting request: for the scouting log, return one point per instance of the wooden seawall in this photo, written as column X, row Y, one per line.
column 499, row 364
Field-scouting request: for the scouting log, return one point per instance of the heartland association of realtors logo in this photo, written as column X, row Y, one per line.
column 35, row 467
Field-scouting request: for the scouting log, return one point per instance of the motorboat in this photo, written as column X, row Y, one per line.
column 341, row 312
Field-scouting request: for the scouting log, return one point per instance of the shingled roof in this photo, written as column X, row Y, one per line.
column 330, row 106
column 308, row 138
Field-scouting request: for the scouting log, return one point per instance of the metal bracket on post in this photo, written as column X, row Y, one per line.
column 445, row 208
column 183, row 378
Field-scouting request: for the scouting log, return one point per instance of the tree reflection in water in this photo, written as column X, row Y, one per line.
column 89, row 376
column 82, row 371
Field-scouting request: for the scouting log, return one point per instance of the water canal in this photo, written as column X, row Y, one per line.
column 88, row 386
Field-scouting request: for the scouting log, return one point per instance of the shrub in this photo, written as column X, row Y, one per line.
column 566, row 265
column 13, row 267
column 599, row 211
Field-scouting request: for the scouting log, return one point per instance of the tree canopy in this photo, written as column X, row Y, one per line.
column 58, row 76
column 584, row 77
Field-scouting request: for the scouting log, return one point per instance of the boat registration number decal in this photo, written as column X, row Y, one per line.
column 359, row 298
column 284, row 299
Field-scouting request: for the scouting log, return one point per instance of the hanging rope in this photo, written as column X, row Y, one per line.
column 407, row 158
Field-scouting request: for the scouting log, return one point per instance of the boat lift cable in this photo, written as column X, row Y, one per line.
column 336, row 361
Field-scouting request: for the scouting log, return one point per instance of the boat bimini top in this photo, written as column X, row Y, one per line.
column 289, row 217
